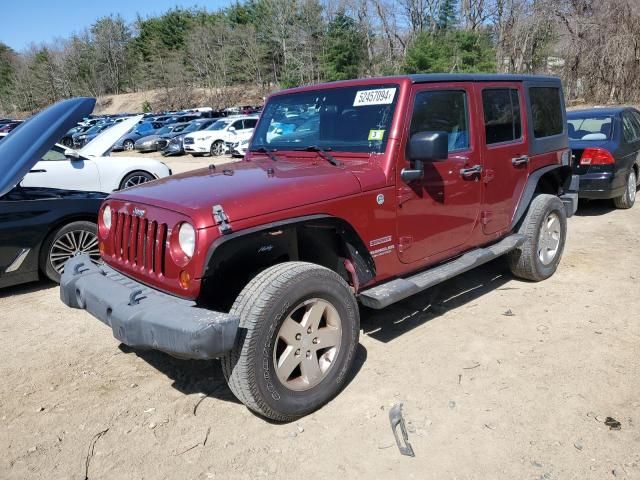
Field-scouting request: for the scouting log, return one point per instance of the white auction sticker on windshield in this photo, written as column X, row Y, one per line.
column 379, row 96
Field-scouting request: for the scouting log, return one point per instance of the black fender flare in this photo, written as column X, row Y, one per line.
column 530, row 190
column 364, row 265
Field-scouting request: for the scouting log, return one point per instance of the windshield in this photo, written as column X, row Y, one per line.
column 348, row 119
column 164, row 130
column 219, row 125
column 192, row 127
column 590, row 128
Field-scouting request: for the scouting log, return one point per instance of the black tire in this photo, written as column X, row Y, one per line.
column 46, row 266
column 525, row 261
column 196, row 155
column 627, row 199
column 128, row 145
column 217, row 148
column 137, row 177
column 263, row 305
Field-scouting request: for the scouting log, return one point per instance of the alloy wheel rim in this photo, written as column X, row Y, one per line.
column 71, row 244
column 217, row 149
column 549, row 239
column 631, row 186
column 128, row 145
column 307, row 344
column 135, row 180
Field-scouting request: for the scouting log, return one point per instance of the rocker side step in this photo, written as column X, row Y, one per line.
column 398, row 289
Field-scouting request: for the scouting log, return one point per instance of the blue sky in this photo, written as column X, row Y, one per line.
column 27, row 21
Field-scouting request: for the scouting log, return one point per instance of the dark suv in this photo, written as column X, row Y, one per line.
column 394, row 185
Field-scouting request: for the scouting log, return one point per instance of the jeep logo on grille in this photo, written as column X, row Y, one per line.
column 138, row 212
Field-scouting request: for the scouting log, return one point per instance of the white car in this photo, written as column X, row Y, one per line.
column 240, row 144
column 89, row 170
column 213, row 139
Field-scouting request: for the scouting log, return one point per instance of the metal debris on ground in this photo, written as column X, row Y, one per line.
column 612, row 423
column 509, row 313
column 397, row 422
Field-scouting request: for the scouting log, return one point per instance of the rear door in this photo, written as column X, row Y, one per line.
column 504, row 148
column 437, row 213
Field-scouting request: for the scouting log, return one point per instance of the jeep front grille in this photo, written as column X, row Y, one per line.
column 140, row 243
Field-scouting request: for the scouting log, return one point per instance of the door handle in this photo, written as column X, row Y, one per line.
column 38, row 171
column 471, row 171
column 521, row 160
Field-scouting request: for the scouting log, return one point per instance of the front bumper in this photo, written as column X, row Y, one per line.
column 144, row 318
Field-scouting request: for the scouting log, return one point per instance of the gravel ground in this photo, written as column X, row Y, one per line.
column 500, row 379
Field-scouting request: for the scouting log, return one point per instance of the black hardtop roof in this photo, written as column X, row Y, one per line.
column 479, row 77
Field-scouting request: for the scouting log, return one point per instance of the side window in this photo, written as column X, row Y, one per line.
column 442, row 111
column 54, row 155
column 237, row 124
column 630, row 128
column 502, row 119
column 250, row 123
column 546, row 111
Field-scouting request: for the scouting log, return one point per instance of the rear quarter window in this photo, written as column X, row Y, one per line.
column 546, row 111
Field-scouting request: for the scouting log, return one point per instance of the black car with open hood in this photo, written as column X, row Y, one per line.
column 41, row 228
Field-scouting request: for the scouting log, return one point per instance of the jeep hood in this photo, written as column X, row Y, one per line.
column 106, row 139
column 26, row 145
column 245, row 189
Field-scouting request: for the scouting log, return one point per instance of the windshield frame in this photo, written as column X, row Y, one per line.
column 353, row 145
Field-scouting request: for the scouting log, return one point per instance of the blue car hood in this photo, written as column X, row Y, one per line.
column 25, row 146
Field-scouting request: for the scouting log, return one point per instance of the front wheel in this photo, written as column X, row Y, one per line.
column 135, row 178
column 217, row 148
column 66, row 242
column 545, row 229
column 128, row 145
column 299, row 328
column 628, row 198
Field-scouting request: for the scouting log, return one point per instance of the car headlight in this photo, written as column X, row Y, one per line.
column 244, row 142
column 187, row 239
column 106, row 217
column 200, row 139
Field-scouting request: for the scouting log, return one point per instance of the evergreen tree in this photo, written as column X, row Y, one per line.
column 345, row 49
column 447, row 15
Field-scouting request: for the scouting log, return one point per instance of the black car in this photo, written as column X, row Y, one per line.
column 41, row 228
column 606, row 153
column 81, row 139
column 173, row 144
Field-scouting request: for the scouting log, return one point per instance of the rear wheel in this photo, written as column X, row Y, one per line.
column 299, row 327
column 628, row 198
column 66, row 242
column 545, row 229
column 217, row 148
column 135, row 178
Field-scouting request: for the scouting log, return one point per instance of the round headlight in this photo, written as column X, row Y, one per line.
column 106, row 217
column 187, row 239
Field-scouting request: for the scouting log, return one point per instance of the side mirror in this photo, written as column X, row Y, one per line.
column 71, row 154
column 425, row 147
column 232, row 129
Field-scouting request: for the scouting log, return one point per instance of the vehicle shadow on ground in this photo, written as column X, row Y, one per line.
column 594, row 208
column 205, row 376
column 390, row 323
column 25, row 288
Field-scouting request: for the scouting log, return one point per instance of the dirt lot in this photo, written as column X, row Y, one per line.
column 500, row 379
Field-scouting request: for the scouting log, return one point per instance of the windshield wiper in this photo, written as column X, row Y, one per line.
column 324, row 153
column 268, row 152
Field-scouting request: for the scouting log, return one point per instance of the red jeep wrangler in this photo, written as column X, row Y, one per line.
column 365, row 190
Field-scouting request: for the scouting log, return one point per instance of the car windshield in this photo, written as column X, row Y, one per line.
column 94, row 129
column 219, row 125
column 349, row 119
column 163, row 130
column 590, row 127
column 192, row 127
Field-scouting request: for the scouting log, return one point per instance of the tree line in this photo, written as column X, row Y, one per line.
column 268, row 44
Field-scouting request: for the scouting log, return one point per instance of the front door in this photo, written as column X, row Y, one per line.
column 438, row 213
column 55, row 170
column 504, row 152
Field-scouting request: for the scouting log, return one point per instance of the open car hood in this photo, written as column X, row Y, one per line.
column 27, row 145
column 106, row 139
